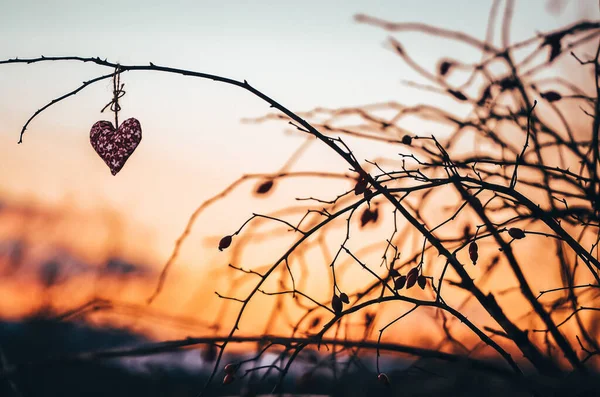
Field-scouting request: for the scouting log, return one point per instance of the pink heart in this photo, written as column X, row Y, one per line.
column 115, row 146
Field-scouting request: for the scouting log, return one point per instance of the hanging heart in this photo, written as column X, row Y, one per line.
column 115, row 146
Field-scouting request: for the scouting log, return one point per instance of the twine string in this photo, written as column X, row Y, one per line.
column 118, row 93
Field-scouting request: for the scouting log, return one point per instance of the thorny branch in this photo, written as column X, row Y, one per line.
column 507, row 191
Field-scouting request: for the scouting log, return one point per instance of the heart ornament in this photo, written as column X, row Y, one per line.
column 115, row 146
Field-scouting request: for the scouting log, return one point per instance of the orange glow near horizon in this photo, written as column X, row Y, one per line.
column 188, row 305
column 58, row 199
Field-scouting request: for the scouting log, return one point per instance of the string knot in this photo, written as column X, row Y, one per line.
column 118, row 93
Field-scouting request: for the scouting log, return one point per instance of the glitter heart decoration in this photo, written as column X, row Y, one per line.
column 115, row 146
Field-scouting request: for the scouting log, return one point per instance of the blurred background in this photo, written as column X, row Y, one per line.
column 71, row 233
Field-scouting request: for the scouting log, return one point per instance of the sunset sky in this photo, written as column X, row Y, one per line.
column 303, row 54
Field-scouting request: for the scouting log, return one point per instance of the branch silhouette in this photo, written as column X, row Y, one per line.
column 515, row 184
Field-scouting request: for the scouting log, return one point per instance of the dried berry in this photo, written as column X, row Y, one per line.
column 264, row 187
column 457, row 94
column 422, row 281
column 551, row 96
column 225, row 242
column 383, row 379
column 516, row 233
column 407, row 140
column 315, row 322
column 411, row 277
column 336, row 304
column 473, row 247
column 361, row 186
column 230, row 369
column 445, row 67
column 400, row 282
column 228, row 379
column 369, row 215
column 344, row 298
column 474, row 256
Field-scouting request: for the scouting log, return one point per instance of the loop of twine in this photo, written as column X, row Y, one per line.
column 118, row 93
